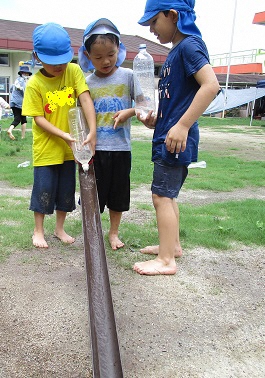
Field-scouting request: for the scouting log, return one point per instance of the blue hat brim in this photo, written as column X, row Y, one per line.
column 59, row 59
column 144, row 21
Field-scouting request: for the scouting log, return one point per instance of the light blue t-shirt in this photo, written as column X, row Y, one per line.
column 111, row 94
column 17, row 92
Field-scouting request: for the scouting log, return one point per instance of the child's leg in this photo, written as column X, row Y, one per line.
column 59, row 228
column 154, row 249
column 9, row 132
column 164, row 263
column 23, row 121
column 115, row 220
column 23, row 130
column 16, row 121
column 65, row 198
column 167, row 224
column 38, row 235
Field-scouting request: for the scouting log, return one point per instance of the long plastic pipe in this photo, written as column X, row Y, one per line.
column 104, row 341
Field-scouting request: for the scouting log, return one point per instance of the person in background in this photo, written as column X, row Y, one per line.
column 49, row 96
column 3, row 105
column 111, row 88
column 187, row 86
column 16, row 99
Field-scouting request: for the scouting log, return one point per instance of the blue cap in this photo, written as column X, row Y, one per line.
column 185, row 9
column 52, row 44
column 100, row 26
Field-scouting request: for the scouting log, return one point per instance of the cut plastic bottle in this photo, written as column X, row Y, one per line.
column 79, row 130
column 144, row 82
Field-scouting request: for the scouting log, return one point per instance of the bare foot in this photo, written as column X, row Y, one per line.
column 11, row 136
column 64, row 237
column 154, row 249
column 38, row 240
column 115, row 242
column 155, row 267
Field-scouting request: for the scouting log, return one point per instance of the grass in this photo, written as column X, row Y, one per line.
column 219, row 226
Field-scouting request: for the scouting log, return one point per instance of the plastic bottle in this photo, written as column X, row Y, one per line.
column 144, row 82
column 24, row 164
column 79, row 130
column 198, row 164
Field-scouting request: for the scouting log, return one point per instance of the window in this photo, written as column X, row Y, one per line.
column 4, row 60
column 4, row 88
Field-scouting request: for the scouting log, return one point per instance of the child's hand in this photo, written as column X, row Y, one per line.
column 176, row 138
column 91, row 140
column 68, row 139
column 149, row 121
column 121, row 116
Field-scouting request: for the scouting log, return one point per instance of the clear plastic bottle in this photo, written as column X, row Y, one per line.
column 144, row 82
column 198, row 164
column 79, row 130
column 24, row 164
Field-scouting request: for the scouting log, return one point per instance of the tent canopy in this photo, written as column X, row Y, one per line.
column 235, row 98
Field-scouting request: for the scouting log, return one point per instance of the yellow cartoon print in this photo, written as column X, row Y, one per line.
column 59, row 98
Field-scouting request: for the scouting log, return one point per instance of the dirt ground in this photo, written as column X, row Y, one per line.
column 207, row 321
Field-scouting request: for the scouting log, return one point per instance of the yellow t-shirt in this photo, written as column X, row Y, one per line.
column 52, row 98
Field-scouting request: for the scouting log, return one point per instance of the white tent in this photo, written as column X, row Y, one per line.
column 235, row 97
column 260, row 84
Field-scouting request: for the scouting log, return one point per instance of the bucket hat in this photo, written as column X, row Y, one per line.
column 24, row 69
column 52, row 44
column 100, row 26
column 185, row 9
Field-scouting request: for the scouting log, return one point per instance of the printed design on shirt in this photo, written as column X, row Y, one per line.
column 164, row 84
column 59, row 98
column 107, row 101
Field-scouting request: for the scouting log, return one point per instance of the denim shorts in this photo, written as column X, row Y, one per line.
column 168, row 180
column 54, row 188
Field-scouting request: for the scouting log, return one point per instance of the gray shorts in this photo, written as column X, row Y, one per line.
column 168, row 180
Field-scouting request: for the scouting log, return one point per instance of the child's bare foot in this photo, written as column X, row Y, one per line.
column 115, row 242
column 154, row 249
column 64, row 237
column 155, row 267
column 11, row 136
column 38, row 240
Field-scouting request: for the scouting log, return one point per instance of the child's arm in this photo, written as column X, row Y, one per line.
column 50, row 128
column 122, row 115
column 90, row 114
column 4, row 104
column 177, row 136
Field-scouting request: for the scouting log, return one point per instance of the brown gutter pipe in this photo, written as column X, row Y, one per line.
column 104, row 341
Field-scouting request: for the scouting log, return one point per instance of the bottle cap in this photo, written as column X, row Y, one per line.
column 142, row 46
column 85, row 167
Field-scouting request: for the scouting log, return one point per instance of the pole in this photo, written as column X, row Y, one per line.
column 104, row 341
column 229, row 59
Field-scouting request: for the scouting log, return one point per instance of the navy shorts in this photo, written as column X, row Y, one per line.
column 168, row 180
column 54, row 188
column 112, row 171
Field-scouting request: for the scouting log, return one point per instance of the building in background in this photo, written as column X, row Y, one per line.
column 16, row 46
column 247, row 68
column 248, row 62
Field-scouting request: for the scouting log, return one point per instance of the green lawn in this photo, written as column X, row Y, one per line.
column 220, row 226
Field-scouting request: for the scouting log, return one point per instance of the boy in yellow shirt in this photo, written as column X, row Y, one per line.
column 49, row 95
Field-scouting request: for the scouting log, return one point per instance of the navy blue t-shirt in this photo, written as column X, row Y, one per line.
column 176, row 89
